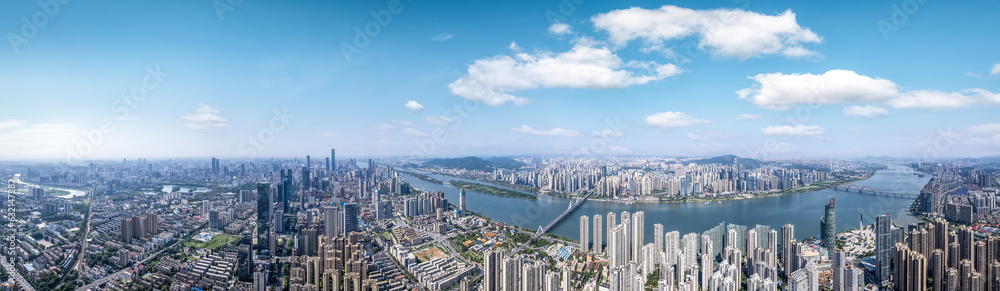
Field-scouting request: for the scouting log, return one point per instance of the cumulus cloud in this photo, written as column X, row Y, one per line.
column 438, row 120
column 731, row 33
column 798, row 130
column 203, row 118
column 560, row 28
column 326, row 134
column 551, row 132
column 748, row 117
column 413, row 106
column 670, row 119
column 513, row 46
column 995, row 70
column 607, row 133
column 491, row 80
column 779, row 91
column 867, row 112
column 442, row 37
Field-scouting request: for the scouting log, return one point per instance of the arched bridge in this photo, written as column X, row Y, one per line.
column 870, row 190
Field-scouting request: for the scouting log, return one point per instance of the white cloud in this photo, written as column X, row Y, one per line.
column 11, row 123
column 413, row 106
column 439, row 120
column 995, row 70
column 203, row 118
column 414, row 132
column 513, row 46
column 551, row 132
column 931, row 99
column 748, row 117
column 607, row 133
column 381, row 127
column 707, row 135
column 490, row 80
column 723, row 32
column 868, row 111
column 442, row 37
column 326, row 134
column 778, row 91
column 798, row 130
column 670, row 119
column 560, row 28
column 403, row 122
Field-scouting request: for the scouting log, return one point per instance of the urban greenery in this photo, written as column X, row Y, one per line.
column 496, row 191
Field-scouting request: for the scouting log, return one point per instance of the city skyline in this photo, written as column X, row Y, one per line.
column 259, row 80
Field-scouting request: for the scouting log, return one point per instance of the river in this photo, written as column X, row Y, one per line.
column 802, row 210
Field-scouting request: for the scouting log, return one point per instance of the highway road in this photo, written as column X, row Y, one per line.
column 105, row 279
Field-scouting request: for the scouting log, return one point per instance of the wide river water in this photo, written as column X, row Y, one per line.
column 802, row 210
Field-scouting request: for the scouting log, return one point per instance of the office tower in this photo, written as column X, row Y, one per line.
column 333, row 160
column 215, row 166
column 598, row 235
column 883, row 248
column 330, row 222
column 828, row 227
column 937, row 269
column 377, row 204
column 787, row 258
column 306, row 179
column 491, row 270
column 328, row 165
column 584, row 234
column 263, row 217
column 658, row 237
column 638, row 235
column 461, row 201
column 349, row 218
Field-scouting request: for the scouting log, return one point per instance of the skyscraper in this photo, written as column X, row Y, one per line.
column 461, row 201
column 306, row 178
column 787, row 257
column 828, row 227
column 330, row 222
column 598, row 236
column 883, row 248
column 333, row 160
column 263, row 218
column 658, row 237
column 491, row 274
column 349, row 218
column 638, row 237
column 584, row 233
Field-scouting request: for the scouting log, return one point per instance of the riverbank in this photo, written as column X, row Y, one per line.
column 490, row 190
column 421, row 177
column 816, row 186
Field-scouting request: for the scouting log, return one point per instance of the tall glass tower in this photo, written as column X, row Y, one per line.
column 828, row 227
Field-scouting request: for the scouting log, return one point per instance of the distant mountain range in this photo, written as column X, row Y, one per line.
column 728, row 160
column 475, row 163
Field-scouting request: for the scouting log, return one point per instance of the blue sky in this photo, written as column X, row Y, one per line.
column 261, row 79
